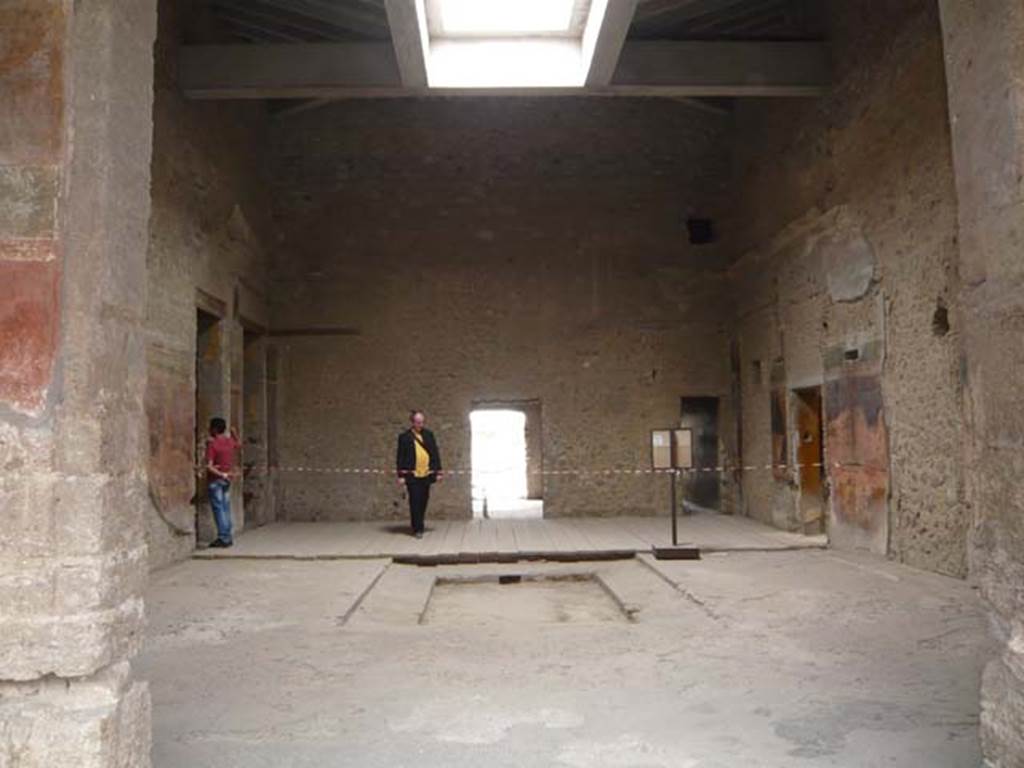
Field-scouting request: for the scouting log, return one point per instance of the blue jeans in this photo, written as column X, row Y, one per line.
column 220, row 503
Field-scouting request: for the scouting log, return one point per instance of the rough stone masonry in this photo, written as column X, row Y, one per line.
column 871, row 245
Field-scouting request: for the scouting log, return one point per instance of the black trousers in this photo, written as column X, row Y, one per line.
column 419, row 495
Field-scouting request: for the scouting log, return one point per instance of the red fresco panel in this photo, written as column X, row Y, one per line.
column 29, row 323
column 170, row 406
column 857, row 441
column 31, row 81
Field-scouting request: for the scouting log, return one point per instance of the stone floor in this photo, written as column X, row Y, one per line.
column 797, row 658
column 504, row 539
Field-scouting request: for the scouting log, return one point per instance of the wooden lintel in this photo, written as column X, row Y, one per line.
column 371, row 70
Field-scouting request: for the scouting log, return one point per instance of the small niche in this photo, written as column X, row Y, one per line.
column 940, row 319
column 702, row 231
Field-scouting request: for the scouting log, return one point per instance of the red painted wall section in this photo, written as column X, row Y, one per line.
column 858, row 442
column 170, row 408
column 29, row 310
column 32, row 39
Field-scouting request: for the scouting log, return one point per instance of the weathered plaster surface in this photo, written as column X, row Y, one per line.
column 846, row 222
column 32, row 62
column 492, row 250
column 985, row 72
column 209, row 233
column 75, row 111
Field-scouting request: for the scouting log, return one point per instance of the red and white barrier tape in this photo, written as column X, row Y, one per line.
column 548, row 472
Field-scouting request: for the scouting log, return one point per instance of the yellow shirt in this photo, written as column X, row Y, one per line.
column 422, row 457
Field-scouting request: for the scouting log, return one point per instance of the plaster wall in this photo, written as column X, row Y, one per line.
column 443, row 253
column 75, row 111
column 845, row 225
column 209, row 241
column 985, row 73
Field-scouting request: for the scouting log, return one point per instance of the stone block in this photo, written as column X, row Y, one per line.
column 48, row 586
column 26, row 500
column 98, row 583
column 69, row 645
column 98, row 513
column 27, row 586
column 96, row 722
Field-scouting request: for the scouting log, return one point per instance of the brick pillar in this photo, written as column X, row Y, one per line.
column 984, row 43
column 75, row 137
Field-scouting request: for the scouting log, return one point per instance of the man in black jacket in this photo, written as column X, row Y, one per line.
column 418, row 464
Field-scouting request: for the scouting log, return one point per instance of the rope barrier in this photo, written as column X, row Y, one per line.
column 298, row 469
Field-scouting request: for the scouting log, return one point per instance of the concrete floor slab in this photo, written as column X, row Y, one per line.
column 496, row 540
column 763, row 659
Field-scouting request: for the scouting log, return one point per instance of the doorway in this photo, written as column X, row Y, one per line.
column 701, row 491
column 209, row 403
column 810, row 459
column 501, row 486
column 255, row 480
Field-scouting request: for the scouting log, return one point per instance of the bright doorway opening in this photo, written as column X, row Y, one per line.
column 500, row 476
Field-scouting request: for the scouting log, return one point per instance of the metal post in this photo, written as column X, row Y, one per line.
column 675, row 530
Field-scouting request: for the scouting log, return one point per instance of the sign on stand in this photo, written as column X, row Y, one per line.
column 672, row 452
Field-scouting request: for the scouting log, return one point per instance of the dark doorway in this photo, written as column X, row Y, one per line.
column 810, row 458
column 701, row 490
column 255, row 479
column 209, row 403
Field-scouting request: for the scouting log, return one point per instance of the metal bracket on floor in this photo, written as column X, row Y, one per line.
column 677, row 551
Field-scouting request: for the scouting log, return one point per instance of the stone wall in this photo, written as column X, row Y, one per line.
column 846, row 226
column 75, row 109
column 448, row 252
column 985, row 72
column 209, row 239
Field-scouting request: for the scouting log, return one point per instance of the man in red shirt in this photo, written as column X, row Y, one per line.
column 220, row 463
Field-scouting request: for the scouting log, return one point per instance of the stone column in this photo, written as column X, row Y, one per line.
column 984, row 43
column 75, row 137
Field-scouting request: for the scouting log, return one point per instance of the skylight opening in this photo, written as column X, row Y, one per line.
column 491, row 44
column 506, row 17
column 525, row 63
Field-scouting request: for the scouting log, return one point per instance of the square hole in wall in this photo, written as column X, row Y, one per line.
column 562, row 600
column 757, row 373
column 701, row 231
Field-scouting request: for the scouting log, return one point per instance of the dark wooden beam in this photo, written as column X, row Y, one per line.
column 359, row 18
column 272, row 21
column 724, row 68
column 287, row 71
column 309, row 332
column 360, row 70
column 679, row 10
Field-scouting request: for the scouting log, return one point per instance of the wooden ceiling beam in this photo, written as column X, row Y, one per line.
column 370, row 69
